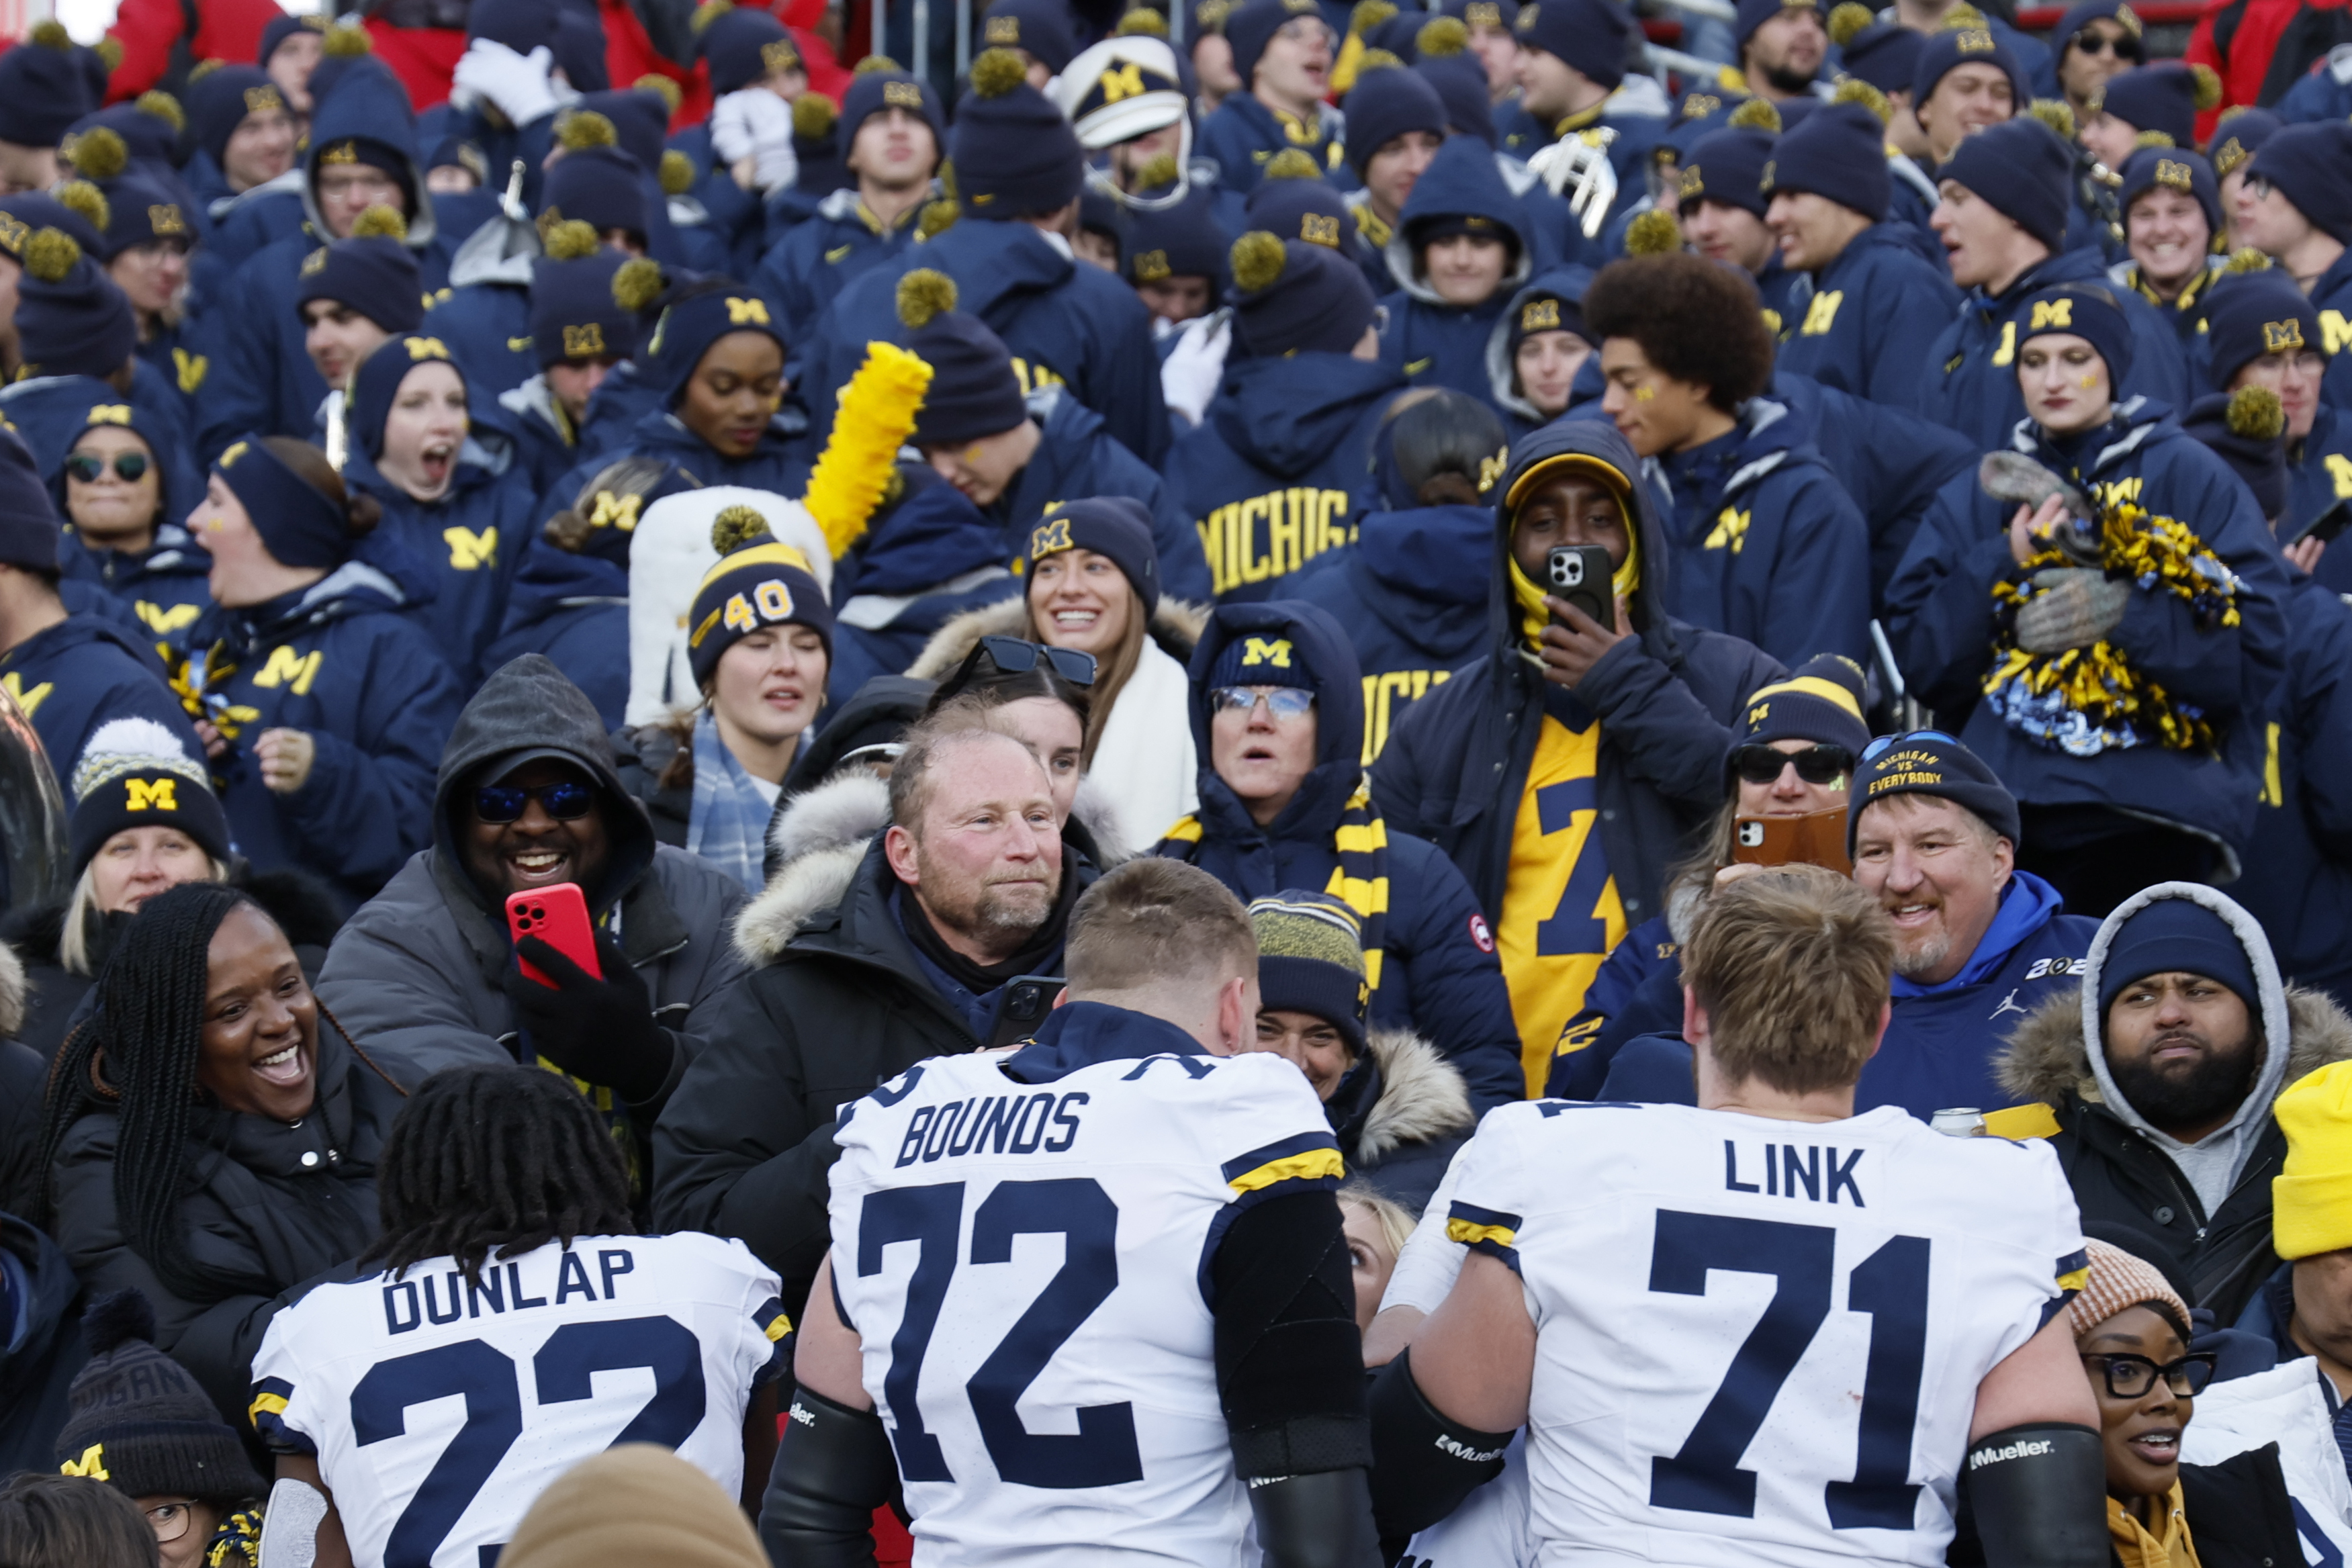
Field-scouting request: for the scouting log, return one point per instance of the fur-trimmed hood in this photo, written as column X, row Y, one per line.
column 2046, row 1060
column 12, row 992
column 816, row 842
column 1176, row 626
column 1423, row 1095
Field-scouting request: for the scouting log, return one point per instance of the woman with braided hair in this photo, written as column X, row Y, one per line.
column 208, row 1142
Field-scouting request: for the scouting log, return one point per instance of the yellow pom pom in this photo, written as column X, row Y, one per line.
column 1212, row 15
column 2152, row 139
column 1847, row 21
column 924, row 294
column 50, row 255
column 2246, row 259
column 1143, row 22
column 1257, row 258
column 2209, row 85
column 661, row 87
column 1378, row 60
column 1854, row 89
column 875, row 415
column 1757, row 114
column 203, row 68
column 638, row 283
column 50, row 34
column 380, row 222
column 2231, row 113
column 2053, row 113
column 734, row 527
column 1442, row 39
column 1368, row 14
column 997, row 72
column 568, row 241
column 98, row 153
column 585, row 127
column 1290, row 163
column 677, row 173
column 88, row 200
column 874, row 62
column 346, row 42
column 164, row 107
column 812, row 116
column 109, row 51
column 1159, row 170
column 709, row 11
column 936, row 219
column 1653, row 232
column 2256, row 412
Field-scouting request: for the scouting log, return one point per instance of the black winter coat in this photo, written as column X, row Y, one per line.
column 2240, row 1514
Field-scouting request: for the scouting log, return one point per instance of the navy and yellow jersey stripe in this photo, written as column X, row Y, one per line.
column 772, row 1322
column 1303, row 1162
column 268, row 1413
column 2074, row 1270
column 1488, row 1231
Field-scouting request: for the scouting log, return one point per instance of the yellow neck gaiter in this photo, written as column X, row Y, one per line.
column 1529, row 595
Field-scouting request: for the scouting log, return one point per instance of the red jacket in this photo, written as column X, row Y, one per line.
column 147, row 30
column 2240, row 41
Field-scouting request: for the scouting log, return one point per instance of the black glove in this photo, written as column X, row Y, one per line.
column 599, row 1029
column 2039, row 1494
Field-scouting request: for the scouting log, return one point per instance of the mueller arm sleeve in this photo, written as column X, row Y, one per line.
column 1322, row 1521
column 1290, row 1365
column 1426, row 1464
column 834, row 1469
column 2039, row 1493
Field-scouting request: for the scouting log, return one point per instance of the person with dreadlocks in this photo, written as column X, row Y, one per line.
column 1279, row 724
column 507, row 1246
column 210, row 1144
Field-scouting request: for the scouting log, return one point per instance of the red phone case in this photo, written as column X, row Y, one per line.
column 557, row 915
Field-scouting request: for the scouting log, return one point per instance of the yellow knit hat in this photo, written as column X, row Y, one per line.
column 2311, row 1199
column 634, row 1503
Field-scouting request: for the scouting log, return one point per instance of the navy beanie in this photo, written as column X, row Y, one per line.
column 2175, row 169
column 299, row 525
column 2023, row 170
column 1543, row 308
column 1929, row 762
column 24, row 215
column 2259, row 460
column 1838, row 153
column 1309, row 210
column 2177, row 935
column 521, row 26
column 580, row 50
column 640, row 122
column 114, row 788
column 1590, row 36
column 2235, row 140
column 29, row 523
column 1014, row 152
column 72, row 318
column 1821, row 701
column 1249, row 28
column 45, row 87
column 1043, row 30
column 1181, row 241
column 973, row 392
column 603, row 187
column 2161, row 96
column 1476, row 14
column 218, row 103
column 878, row 92
column 1316, row 301
column 1754, row 13
column 2090, row 10
column 1310, row 959
column 573, row 315
column 280, row 28
column 2089, row 311
column 699, row 316
column 141, row 210
column 758, row 583
column 1942, row 53
column 2257, row 314
column 1461, row 83
column 376, row 276
column 376, row 383
column 148, row 139
column 743, row 46
column 1726, row 166
column 1116, row 527
column 1259, row 662
column 2312, row 167
column 1384, row 104
column 1885, row 55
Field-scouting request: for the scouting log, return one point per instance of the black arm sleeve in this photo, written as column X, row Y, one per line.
column 1426, row 1464
column 2039, row 1495
column 834, row 1469
column 1322, row 1521
column 1290, row 1365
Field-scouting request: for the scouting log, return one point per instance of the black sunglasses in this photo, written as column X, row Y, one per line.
column 2089, row 43
column 1815, row 764
column 567, row 800
column 2129, row 1376
column 1017, row 657
column 128, row 466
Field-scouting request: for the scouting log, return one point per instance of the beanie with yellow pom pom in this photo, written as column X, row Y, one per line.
column 71, row 320
column 1014, row 152
column 973, row 392
column 757, row 583
column 1290, row 295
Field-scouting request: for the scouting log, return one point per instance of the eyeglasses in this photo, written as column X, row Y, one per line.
column 170, row 1520
column 1017, row 657
column 2258, row 186
column 2129, row 1376
column 1885, row 743
column 1815, row 764
column 567, row 800
column 128, row 466
column 1282, row 702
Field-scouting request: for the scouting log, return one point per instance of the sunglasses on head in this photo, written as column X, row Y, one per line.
column 566, row 800
column 1017, row 657
column 1282, row 702
column 1884, row 743
column 1815, row 764
column 128, row 466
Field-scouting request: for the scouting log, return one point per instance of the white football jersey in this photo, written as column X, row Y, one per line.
column 1759, row 1341
column 440, row 1409
column 1027, row 1267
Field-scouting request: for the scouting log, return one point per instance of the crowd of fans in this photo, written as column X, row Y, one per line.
column 1477, row 506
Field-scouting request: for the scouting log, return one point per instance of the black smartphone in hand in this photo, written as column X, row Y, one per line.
column 1580, row 575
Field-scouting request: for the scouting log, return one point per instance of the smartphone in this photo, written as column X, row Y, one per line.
column 1580, row 575
column 2326, row 527
column 557, row 915
column 1817, row 838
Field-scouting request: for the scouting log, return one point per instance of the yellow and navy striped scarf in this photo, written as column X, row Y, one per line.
column 1360, row 881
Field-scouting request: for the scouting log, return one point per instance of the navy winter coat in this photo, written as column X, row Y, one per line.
column 1077, row 457
column 487, row 326
column 1431, row 342
column 1889, row 460
column 929, row 558
column 82, row 671
column 824, row 253
column 1869, row 319
column 471, row 541
column 165, row 586
column 1242, row 136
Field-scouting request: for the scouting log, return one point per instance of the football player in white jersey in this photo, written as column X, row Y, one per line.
column 1763, row 1330
column 1095, row 1292
column 517, row 1328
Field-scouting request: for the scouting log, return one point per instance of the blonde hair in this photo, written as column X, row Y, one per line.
column 1396, row 1222
column 1792, row 966
column 84, row 918
column 1155, row 921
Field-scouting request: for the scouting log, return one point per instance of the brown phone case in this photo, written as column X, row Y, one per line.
column 1817, row 838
